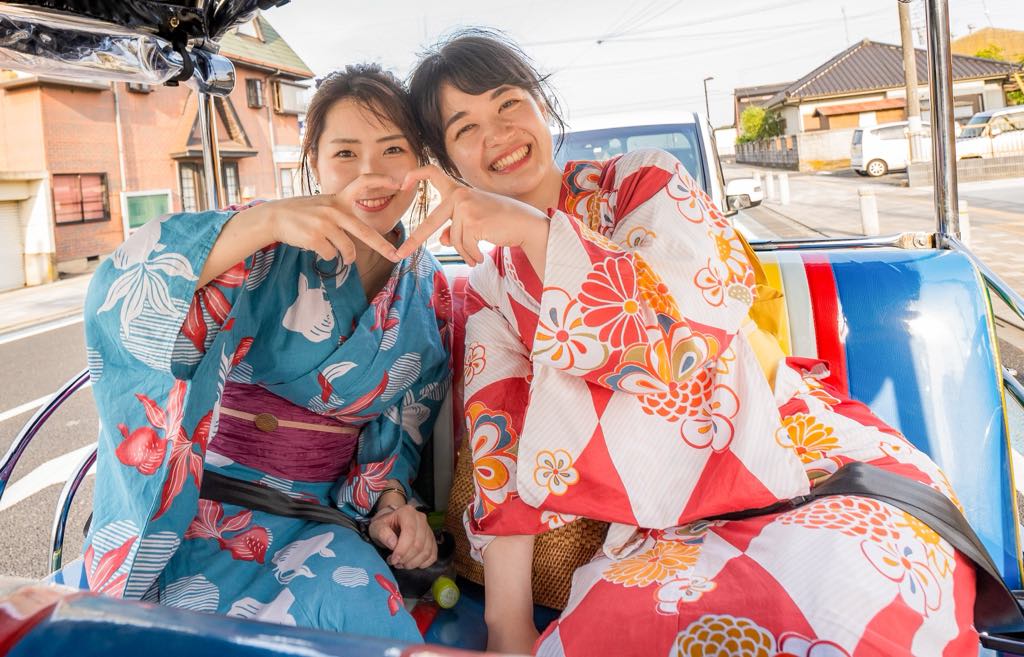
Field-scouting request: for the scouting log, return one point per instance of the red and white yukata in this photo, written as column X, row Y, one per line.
column 623, row 387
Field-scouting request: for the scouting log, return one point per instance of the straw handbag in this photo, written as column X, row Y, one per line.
column 557, row 553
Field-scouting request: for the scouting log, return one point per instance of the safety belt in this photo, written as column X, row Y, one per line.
column 996, row 610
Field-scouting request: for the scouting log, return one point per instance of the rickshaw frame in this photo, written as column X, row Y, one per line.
column 218, row 75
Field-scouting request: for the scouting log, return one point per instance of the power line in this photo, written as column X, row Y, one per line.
column 690, row 23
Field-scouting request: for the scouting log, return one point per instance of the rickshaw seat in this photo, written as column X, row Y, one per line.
column 909, row 333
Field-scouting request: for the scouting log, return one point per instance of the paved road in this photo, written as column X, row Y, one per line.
column 34, row 367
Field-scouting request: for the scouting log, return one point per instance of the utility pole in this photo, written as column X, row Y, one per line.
column 707, row 107
column 910, row 75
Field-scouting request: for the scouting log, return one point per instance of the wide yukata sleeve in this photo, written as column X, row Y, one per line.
column 657, row 286
column 496, row 383
column 159, row 351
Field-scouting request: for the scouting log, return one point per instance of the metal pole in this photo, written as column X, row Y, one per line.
column 211, row 152
column 707, row 107
column 940, row 88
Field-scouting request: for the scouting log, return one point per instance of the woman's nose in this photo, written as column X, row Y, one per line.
column 499, row 131
column 369, row 165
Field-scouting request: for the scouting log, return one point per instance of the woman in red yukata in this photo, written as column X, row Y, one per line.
column 611, row 373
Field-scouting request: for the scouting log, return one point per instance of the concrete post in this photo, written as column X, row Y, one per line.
column 757, row 179
column 965, row 223
column 784, row 188
column 769, row 186
column 868, row 210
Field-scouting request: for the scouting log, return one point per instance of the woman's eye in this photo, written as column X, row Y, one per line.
column 509, row 103
column 394, row 150
column 345, row 154
column 464, row 129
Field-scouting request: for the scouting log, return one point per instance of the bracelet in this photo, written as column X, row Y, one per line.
column 391, row 489
column 395, row 489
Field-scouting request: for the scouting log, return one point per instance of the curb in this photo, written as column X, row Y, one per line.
column 6, row 329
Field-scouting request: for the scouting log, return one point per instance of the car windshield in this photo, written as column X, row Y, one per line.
column 972, row 131
column 979, row 118
column 680, row 140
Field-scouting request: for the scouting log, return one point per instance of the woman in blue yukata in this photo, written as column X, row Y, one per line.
column 285, row 345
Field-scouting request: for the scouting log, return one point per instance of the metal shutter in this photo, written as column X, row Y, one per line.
column 12, row 247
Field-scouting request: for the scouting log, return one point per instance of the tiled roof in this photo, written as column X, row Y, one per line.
column 270, row 52
column 760, row 90
column 871, row 66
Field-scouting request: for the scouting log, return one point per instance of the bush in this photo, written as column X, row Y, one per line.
column 759, row 123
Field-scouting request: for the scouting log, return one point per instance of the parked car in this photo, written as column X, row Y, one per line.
column 993, row 133
column 879, row 149
column 686, row 135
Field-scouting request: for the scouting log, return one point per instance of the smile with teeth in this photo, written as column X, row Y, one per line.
column 373, row 204
column 513, row 158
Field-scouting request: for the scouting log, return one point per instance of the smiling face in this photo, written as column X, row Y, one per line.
column 499, row 140
column 354, row 142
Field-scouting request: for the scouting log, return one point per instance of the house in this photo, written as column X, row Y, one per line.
column 82, row 163
column 1008, row 43
column 744, row 97
column 861, row 86
column 865, row 85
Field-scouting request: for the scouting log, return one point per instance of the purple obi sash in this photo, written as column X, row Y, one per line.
column 260, row 430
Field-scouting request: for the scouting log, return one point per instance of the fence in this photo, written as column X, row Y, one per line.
column 810, row 151
column 1012, row 166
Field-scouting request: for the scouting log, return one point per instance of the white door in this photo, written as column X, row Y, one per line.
column 12, row 247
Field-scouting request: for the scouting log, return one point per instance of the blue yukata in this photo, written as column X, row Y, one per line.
column 275, row 373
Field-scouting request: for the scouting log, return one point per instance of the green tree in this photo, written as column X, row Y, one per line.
column 992, row 51
column 759, row 123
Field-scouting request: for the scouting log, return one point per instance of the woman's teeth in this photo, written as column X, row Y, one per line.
column 375, row 203
column 510, row 159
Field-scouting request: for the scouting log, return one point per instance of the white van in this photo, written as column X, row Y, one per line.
column 879, row 149
column 994, row 133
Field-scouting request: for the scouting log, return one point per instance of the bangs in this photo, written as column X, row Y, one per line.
column 474, row 62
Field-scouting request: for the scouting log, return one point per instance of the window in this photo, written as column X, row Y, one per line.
column 193, row 185
column 892, row 132
column 999, row 125
column 289, row 183
column 251, row 29
column 289, row 98
column 143, row 206
column 80, row 197
column 229, row 175
column 1016, row 121
column 254, row 92
column 680, row 140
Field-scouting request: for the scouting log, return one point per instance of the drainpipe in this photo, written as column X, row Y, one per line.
column 120, row 160
column 273, row 142
column 270, row 126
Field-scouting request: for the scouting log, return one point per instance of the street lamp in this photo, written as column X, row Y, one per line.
column 707, row 108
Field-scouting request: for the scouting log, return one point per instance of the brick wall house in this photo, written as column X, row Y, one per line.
column 107, row 157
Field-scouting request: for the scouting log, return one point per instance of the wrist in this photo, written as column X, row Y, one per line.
column 262, row 221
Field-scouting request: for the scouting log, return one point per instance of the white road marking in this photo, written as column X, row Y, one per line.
column 1018, row 469
column 54, row 471
column 32, row 405
column 21, row 334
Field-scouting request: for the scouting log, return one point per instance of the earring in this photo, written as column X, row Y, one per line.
column 423, row 200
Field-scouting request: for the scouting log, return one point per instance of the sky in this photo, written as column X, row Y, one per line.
column 619, row 57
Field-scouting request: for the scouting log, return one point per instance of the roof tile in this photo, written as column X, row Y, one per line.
column 871, row 66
